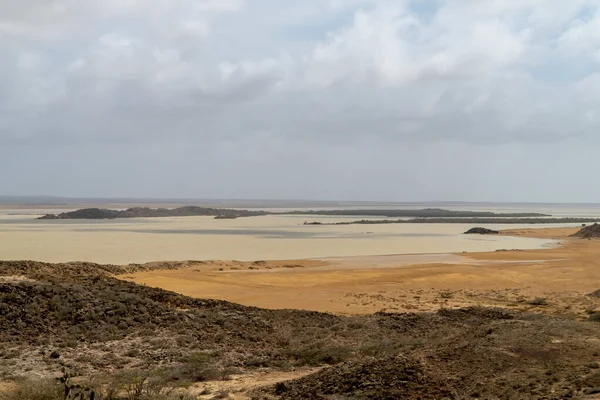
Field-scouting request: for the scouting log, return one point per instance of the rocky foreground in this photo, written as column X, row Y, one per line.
column 111, row 334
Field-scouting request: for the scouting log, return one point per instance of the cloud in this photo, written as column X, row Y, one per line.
column 360, row 74
column 466, row 73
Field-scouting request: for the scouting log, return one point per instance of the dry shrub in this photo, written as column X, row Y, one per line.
column 200, row 367
column 42, row 389
column 318, row 355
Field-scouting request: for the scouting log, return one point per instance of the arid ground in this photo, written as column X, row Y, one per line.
column 405, row 283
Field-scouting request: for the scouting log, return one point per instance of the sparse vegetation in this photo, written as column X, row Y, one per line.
column 315, row 355
column 34, row 389
column 221, row 213
column 463, row 220
column 144, row 212
column 424, row 213
column 130, row 342
column 200, row 367
column 123, row 385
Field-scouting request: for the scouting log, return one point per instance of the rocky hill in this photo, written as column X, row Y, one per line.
column 80, row 317
column 589, row 232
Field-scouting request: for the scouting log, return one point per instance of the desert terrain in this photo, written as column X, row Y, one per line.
column 502, row 324
column 561, row 275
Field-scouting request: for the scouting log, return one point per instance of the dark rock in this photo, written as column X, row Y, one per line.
column 387, row 378
column 481, row 231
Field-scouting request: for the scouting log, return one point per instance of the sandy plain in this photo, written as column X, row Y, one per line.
column 553, row 280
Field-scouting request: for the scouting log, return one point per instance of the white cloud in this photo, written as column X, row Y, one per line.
column 46, row 21
column 393, row 47
column 581, row 38
column 311, row 98
column 467, row 72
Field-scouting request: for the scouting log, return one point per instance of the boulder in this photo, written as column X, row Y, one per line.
column 481, row 231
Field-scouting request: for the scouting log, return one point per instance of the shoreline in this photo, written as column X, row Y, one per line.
column 554, row 242
column 561, row 275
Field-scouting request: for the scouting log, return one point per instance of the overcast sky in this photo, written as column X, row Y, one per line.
column 495, row 100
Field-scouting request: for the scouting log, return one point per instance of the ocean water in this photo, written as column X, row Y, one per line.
column 126, row 241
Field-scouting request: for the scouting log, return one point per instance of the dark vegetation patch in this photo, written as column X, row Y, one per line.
column 222, row 213
column 424, row 213
column 463, row 220
column 145, row 212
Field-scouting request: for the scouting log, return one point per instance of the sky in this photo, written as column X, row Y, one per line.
column 403, row 100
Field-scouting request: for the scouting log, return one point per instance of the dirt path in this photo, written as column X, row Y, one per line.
column 238, row 386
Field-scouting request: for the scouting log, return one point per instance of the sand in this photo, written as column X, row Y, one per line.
column 354, row 285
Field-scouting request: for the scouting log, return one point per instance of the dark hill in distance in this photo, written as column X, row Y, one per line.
column 454, row 220
column 222, row 213
column 424, row 213
column 144, row 212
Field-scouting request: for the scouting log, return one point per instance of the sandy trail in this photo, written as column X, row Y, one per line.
column 349, row 285
column 238, row 386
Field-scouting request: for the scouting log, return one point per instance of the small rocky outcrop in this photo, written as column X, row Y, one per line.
column 595, row 293
column 481, row 231
column 589, row 232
